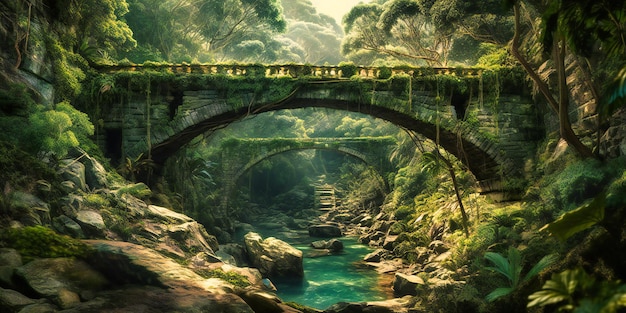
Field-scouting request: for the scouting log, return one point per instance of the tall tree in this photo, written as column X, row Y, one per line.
column 184, row 29
column 411, row 30
column 578, row 28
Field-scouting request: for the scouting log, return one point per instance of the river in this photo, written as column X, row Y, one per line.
column 328, row 279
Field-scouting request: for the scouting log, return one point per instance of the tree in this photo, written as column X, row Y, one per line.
column 411, row 30
column 399, row 31
column 573, row 28
column 187, row 29
column 433, row 162
column 95, row 23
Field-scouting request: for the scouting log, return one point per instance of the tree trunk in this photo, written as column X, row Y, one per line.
column 457, row 191
column 560, row 107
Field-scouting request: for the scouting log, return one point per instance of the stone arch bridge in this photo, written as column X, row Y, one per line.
column 240, row 155
column 485, row 118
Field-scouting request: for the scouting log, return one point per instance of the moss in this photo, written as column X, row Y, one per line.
column 42, row 242
column 232, row 278
column 95, row 200
column 139, row 190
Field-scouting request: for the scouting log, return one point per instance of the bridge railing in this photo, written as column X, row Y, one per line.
column 293, row 70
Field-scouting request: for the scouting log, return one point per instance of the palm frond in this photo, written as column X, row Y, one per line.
column 498, row 293
column 541, row 265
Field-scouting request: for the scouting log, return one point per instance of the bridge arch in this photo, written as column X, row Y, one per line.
column 416, row 106
column 240, row 155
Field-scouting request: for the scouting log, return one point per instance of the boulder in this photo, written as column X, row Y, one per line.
column 73, row 171
column 236, row 251
column 404, row 284
column 192, row 236
column 389, row 242
column 324, row 231
column 273, row 257
column 333, row 245
column 91, row 222
column 95, row 174
column 167, row 215
column 13, row 301
column 157, row 284
column 9, row 260
column 262, row 302
column 68, row 226
column 10, row 257
column 34, row 210
column 375, row 256
column 346, row 307
column 57, row 279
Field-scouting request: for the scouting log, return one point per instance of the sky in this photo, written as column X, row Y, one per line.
column 335, row 8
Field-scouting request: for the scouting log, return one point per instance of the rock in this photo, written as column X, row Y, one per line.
column 39, row 308
column 438, row 246
column 262, row 302
column 192, row 236
column 332, row 245
column 167, row 215
column 273, row 257
column 319, row 244
column 236, row 251
column 345, row 307
column 389, row 242
column 73, row 171
column 375, row 256
column 95, row 174
column 324, row 231
column 168, row 286
column 10, row 257
column 67, row 299
column 68, row 226
column 34, row 211
column 13, row 301
column 91, row 222
column 48, row 277
column 404, row 284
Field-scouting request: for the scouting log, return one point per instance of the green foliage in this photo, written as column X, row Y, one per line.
column 15, row 100
column 511, row 268
column 579, row 219
column 404, row 212
column 96, row 200
column 21, row 170
column 576, row 183
column 493, row 55
column 232, row 278
column 56, row 131
column 348, row 69
column 576, row 291
column 138, row 190
column 41, row 242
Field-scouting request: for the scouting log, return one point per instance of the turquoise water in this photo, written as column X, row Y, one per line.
column 333, row 278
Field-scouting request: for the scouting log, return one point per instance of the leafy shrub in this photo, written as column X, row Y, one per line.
column 404, row 212
column 511, row 268
column 576, row 291
column 42, row 242
column 578, row 182
column 348, row 69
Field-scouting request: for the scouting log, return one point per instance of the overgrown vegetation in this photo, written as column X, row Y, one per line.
column 42, row 242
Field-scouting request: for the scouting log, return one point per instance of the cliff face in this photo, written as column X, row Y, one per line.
column 24, row 55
